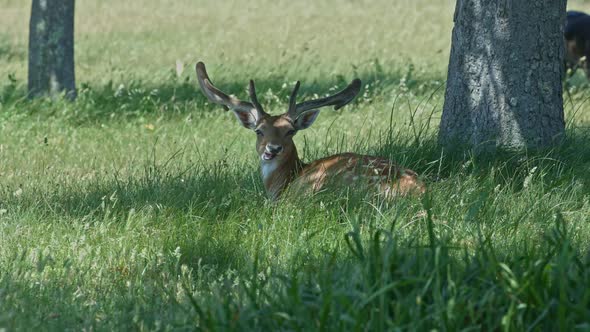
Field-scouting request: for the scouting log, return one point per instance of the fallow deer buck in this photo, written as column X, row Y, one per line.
column 280, row 164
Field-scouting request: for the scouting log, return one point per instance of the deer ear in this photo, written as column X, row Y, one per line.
column 306, row 119
column 248, row 119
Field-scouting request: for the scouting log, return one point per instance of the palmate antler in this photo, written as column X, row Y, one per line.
column 253, row 108
column 249, row 113
column 337, row 100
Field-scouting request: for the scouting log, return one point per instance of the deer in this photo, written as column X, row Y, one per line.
column 577, row 41
column 280, row 164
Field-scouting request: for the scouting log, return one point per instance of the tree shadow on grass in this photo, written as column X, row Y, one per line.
column 185, row 209
column 181, row 95
column 220, row 194
column 560, row 166
column 214, row 193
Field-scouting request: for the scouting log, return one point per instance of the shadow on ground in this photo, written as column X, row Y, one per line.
column 181, row 95
column 218, row 192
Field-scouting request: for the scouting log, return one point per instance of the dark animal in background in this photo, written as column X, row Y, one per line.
column 577, row 41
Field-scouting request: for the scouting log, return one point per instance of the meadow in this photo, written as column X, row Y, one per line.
column 140, row 206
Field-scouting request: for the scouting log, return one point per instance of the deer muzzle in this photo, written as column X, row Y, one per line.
column 271, row 151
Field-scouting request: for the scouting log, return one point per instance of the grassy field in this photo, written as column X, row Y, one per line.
column 140, row 207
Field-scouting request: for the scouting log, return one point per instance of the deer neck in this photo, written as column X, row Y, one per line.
column 278, row 174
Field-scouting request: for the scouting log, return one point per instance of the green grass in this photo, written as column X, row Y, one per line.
column 140, row 207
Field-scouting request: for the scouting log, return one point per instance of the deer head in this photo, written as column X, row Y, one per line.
column 274, row 141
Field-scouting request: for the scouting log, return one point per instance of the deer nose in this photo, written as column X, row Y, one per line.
column 274, row 149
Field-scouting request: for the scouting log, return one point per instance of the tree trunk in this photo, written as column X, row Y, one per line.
column 51, row 48
column 504, row 85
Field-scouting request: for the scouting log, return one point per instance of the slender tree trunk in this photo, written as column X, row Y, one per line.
column 505, row 74
column 51, row 48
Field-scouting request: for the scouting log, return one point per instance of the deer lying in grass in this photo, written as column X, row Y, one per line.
column 280, row 164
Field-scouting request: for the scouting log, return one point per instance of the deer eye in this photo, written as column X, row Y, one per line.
column 290, row 133
column 259, row 132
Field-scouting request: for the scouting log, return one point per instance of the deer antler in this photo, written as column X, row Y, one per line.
column 252, row 93
column 219, row 97
column 337, row 100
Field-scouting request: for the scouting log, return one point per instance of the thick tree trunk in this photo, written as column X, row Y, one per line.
column 505, row 74
column 51, row 48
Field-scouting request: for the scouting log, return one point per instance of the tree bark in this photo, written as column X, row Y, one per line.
column 51, row 48
column 504, row 84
